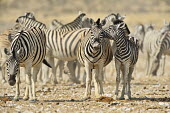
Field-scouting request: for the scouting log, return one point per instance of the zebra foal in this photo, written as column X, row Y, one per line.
column 126, row 56
column 28, row 49
column 94, row 53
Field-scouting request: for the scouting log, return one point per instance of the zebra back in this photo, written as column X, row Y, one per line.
column 74, row 25
column 28, row 23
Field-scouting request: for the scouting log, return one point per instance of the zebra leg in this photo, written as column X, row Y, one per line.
column 2, row 74
column 162, row 65
column 46, row 74
column 33, row 80
column 78, row 70
column 39, row 76
column 125, row 77
column 28, row 89
column 97, row 83
column 17, row 93
column 51, row 62
column 153, row 63
column 128, row 82
column 147, row 63
column 60, row 64
column 71, row 74
column 118, row 66
column 88, row 80
column 2, row 71
column 101, row 80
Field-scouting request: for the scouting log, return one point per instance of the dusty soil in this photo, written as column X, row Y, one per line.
column 150, row 94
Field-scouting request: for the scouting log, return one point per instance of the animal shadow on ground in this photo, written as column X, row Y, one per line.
column 165, row 99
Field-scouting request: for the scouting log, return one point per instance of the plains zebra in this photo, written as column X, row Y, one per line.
column 28, row 49
column 94, row 53
column 151, row 46
column 80, row 23
column 126, row 56
column 164, row 50
column 59, row 45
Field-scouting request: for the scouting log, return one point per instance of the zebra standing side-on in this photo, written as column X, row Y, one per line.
column 126, row 56
column 60, row 45
column 28, row 49
column 94, row 53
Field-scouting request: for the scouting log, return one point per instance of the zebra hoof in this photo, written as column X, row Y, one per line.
column 121, row 98
column 25, row 98
column 16, row 99
column 33, row 100
column 85, row 98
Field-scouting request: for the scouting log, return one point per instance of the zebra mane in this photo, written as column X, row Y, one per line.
column 75, row 20
column 29, row 19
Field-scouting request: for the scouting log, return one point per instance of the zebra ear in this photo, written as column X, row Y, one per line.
column 98, row 21
column 18, row 52
column 119, row 17
column 6, row 51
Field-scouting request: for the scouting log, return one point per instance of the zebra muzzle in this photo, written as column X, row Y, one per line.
column 12, row 80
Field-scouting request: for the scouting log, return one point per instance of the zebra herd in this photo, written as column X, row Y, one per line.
column 81, row 42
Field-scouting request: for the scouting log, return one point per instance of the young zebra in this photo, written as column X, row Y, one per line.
column 94, row 53
column 126, row 56
column 28, row 49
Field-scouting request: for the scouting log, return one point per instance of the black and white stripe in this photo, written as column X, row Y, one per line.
column 28, row 49
column 59, row 44
column 94, row 53
column 126, row 55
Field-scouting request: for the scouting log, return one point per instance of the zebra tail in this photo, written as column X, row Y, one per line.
column 46, row 63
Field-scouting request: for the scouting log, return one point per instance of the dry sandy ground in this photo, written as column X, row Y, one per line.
column 150, row 94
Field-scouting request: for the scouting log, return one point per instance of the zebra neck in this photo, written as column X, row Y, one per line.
column 71, row 26
column 91, row 54
column 121, row 43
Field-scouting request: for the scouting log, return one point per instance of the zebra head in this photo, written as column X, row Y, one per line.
column 87, row 23
column 123, row 26
column 113, row 30
column 165, row 28
column 149, row 28
column 110, row 19
column 12, row 65
column 96, row 34
column 55, row 24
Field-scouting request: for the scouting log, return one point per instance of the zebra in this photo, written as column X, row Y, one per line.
column 59, row 45
column 164, row 50
column 151, row 47
column 126, row 56
column 58, row 25
column 160, row 51
column 28, row 49
column 94, row 53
